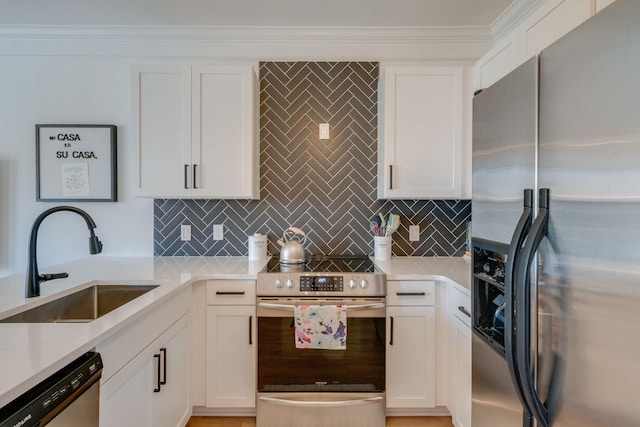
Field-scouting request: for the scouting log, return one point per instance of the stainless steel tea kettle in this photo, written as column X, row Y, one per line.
column 292, row 242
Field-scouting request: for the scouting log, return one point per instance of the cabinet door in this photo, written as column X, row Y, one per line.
column 411, row 357
column 462, row 381
column 224, row 144
column 231, row 356
column 552, row 20
column 421, row 112
column 162, row 130
column 497, row 63
column 171, row 406
column 125, row 400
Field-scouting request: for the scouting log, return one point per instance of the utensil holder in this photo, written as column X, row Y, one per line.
column 382, row 247
column 258, row 247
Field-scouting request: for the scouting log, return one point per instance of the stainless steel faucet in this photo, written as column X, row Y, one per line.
column 32, row 284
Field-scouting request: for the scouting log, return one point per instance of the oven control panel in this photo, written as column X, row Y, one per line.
column 322, row 283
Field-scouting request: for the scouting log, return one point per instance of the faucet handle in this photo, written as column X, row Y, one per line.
column 45, row 277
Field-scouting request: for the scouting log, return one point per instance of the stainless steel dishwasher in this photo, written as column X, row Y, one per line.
column 69, row 398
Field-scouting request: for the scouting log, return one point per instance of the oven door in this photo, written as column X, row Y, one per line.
column 313, row 387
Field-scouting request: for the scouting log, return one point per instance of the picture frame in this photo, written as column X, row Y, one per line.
column 76, row 163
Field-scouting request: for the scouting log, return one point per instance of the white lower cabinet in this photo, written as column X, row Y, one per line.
column 411, row 318
column 462, row 375
column 153, row 389
column 231, row 344
column 460, row 357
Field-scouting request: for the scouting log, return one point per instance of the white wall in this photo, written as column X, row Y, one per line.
column 64, row 90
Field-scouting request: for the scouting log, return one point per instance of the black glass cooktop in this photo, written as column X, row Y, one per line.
column 333, row 264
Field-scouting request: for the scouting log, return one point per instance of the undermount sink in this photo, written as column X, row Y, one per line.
column 81, row 306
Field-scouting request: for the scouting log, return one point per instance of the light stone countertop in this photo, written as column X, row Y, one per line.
column 456, row 270
column 30, row 352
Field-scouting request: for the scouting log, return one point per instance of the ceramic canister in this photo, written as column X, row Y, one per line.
column 257, row 247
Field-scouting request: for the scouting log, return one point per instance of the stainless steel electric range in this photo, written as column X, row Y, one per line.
column 321, row 387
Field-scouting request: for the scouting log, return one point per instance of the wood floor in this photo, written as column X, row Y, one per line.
column 251, row 422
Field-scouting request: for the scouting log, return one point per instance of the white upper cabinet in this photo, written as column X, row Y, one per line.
column 196, row 131
column 601, row 4
column 224, row 133
column 546, row 24
column 499, row 61
column 553, row 20
column 420, row 132
column 162, row 129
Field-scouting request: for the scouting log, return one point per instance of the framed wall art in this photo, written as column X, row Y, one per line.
column 76, row 163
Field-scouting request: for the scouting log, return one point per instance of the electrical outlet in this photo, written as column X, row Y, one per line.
column 414, row 233
column 185, row 232
column 218, row 232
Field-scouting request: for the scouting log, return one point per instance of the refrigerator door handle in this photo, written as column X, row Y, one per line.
column 515, row 247
column 523, row 308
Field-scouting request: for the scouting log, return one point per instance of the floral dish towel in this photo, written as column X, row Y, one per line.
column 321, row 326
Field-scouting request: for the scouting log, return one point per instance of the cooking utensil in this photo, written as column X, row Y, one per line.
column 373, row 227
column 383, row 222
column 389, row 224
column 394, row 224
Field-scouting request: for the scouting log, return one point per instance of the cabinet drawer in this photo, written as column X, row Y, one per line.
column 231, row 292
column 461, row 304
column 405, row 292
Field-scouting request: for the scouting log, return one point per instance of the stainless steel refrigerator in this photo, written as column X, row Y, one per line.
column 556, row 233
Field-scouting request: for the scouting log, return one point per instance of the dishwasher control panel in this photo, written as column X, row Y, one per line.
column 46, row 399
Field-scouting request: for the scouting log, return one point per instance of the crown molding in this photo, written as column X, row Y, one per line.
column 247, row 34
column 458, row 43
column 513, row 16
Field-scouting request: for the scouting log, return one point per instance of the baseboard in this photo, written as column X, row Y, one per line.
column 203, row 411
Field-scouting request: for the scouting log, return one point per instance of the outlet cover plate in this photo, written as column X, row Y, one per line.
column 323, row 131
column 414, row 233
column 185, row 232
column 218, row 232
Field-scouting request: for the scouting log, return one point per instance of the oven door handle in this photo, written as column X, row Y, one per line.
column 321, row 404
column 348, row 307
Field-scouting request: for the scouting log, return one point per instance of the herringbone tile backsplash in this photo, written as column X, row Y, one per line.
column 325, row 187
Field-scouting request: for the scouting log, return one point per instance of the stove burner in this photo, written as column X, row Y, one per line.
column 335, row 264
